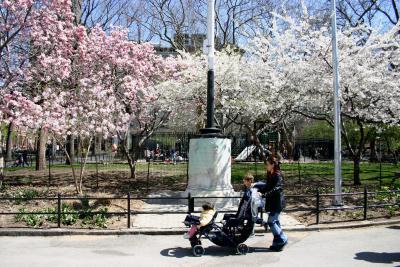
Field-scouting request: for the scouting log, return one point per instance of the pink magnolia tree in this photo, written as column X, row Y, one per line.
column 16, row 19
column 141, row 99
column 108, row 84
column 84, row 84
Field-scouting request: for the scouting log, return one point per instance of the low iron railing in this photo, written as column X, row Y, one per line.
column 190, row 200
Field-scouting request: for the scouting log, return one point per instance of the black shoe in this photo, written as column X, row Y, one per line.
column 273, row 248
column 259, row 221
column 278, row 248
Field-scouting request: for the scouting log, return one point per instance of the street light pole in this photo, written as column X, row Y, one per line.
column 209, row 168
column 338, row 141
column 210, row 128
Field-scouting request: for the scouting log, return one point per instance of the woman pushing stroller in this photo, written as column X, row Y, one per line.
column 274, row 202
column 237, row 228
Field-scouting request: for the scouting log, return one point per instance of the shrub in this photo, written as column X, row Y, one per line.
column 86, row 216
column 33, row 220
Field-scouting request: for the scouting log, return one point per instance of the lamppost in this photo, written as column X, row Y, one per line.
column 209, row 51
column 209, row 168
column 338, row 141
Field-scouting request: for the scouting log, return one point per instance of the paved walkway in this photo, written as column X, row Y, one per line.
column 378, row 246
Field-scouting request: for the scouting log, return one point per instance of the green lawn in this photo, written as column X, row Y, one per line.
column 370, row 172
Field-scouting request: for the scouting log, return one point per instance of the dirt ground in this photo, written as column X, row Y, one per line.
column 111, row 183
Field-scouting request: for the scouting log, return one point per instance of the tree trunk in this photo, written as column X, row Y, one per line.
column 84, row 158
column 288, row 142
column 395, row 158
column 356, row 175
column 131, row 161
column 132, row 166
column 79, row 152
column 72, row 168
column 70, row 147
column 373, row 157
column 97, row 145
column 9, row 141
column 259, row 146
column 76, row 7
column 200, row 118
column 53, row 148
column 41, row 150
column 1, row 170
column 1, row 161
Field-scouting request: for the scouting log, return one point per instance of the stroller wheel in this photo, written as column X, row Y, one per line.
column 194, row 242
column 242, row 249
column 198, row 251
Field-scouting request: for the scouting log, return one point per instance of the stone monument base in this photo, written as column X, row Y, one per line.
column 210, row 172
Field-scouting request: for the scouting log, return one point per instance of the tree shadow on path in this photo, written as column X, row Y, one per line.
column 379, row 257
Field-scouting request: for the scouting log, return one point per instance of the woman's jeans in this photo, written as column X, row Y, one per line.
column 275, row 226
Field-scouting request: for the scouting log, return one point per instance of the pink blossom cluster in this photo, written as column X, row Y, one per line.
column 78, row 82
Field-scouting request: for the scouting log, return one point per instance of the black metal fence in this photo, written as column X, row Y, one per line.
column 317, row 208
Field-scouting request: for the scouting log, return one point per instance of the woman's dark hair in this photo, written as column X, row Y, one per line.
column 208, row 206
column 273, row 161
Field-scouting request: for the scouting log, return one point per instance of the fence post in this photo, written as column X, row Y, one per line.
column 317, row 206
column 187, row 171
column 380, row 173
column 58, row 210
column 148, row 176
column 298, row 169
column 365, row 202
column 129, row 209
column 49, row 169
column 97, row 171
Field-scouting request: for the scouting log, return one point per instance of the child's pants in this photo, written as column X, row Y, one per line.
column 192, row 231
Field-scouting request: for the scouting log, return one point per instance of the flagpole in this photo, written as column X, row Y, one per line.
column 336, row 86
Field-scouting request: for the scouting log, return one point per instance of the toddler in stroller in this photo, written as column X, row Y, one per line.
column 235, row 228
column 206, row 216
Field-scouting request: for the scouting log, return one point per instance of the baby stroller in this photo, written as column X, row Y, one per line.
column 234, row 230
column 232, row 233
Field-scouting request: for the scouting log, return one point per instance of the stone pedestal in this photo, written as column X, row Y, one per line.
column 210, row 171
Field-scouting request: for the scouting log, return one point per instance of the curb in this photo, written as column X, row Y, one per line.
column 176, row 231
